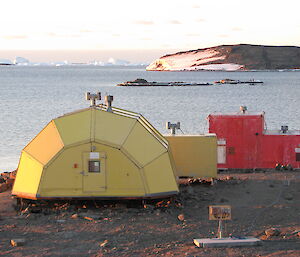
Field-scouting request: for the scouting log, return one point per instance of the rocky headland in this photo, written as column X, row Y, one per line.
column 231, row 58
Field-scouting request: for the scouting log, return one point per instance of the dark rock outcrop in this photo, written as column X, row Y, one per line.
column 260, row 57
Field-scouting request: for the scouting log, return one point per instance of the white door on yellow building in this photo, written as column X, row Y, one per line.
column 94, row 172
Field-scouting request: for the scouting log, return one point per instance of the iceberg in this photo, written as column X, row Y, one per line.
column 21, row 61
column 5, row 62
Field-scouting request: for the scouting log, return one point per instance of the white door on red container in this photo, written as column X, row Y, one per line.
column 221, row 154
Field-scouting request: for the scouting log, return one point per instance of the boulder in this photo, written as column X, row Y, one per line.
column 180, row 217
column 18, row 242
column 272, row 232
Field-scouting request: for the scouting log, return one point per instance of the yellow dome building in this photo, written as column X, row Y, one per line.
column 98, row 152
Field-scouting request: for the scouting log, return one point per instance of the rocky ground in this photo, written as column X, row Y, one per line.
column 264, row 204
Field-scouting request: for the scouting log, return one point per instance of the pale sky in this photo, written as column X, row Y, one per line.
column 137, row 30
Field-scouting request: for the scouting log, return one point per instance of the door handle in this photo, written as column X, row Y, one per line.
column 82, row 173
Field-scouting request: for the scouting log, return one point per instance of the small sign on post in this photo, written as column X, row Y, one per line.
column 220, row 213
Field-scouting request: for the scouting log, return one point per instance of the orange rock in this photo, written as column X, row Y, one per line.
column 17, row 242
column 180, row 217
column 263, row 237
column 13, row 174
column 272, row 232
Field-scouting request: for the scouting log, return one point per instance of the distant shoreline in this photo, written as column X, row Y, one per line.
column 141, row 66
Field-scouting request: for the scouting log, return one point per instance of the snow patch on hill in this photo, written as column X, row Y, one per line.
column 193, row 60
column 223, row 67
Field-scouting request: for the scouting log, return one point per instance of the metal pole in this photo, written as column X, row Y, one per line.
column 220, row 229
column 173, row 131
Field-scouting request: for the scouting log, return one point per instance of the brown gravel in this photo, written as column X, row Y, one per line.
column 259, row 202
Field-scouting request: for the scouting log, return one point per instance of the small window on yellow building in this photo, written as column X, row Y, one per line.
column 94, row 166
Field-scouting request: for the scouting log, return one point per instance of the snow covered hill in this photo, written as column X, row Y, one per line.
column 231, row 58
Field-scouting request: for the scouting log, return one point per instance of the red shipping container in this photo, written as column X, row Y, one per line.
column 243, row 142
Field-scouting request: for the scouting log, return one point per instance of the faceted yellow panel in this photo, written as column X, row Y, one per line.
column 159, row 175
column 75, row 127
column 112, row 128
column 63, row 176
column 28, row 176
column 194, row 156
column 46, row 144
column 123, row 177
column 142, row 145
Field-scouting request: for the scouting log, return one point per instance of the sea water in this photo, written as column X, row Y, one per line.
column 32, row 96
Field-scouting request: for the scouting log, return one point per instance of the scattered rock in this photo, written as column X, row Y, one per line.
column 13, row 174
column 157, row 212
column 297, row 232
column 11, row 226
column 149, row 207
column 61, row 221
column 3, row 187
column 263, row 237
column 104, row 243
column 10, row 181
column 74, row 216
column 120, row 228
column 88, row 218
column 180, row 217
column 6, row 181
column 25, row 211
column 17, row 242
column 272, row 232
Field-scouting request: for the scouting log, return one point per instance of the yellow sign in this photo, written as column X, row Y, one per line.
column 219, row 212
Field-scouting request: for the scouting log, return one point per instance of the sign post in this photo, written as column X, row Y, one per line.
column 220, row 213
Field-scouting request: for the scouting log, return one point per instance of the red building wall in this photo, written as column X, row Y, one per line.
column 280, row 149
column 249, row 146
